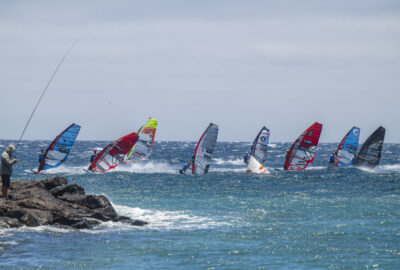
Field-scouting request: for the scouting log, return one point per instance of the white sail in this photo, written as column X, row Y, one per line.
column 204, row 150
column 260, row 144
column 255, row 166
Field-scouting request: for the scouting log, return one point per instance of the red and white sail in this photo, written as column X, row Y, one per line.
column 113, row 153
column 303, row 149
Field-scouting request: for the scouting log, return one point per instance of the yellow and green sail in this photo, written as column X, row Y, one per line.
column 143, row 147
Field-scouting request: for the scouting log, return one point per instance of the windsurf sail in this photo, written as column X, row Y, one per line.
column 204, row 150
column 370, row 152
column 303, row 149
column 58, row 150
column 144, row 145
column 255, row 166
column 112, row 154
column 347, row 149
column 260, row 144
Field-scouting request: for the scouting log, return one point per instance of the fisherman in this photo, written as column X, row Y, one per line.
column 246, row 158
column 332, row 159
column 6, row 169
column 185, row 167
column 93, row 156
column 41, row 155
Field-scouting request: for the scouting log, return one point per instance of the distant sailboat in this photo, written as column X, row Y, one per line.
column 59, row 148
column 370, row 153
column 204, row 150
column 347, row 149
column 303, row 149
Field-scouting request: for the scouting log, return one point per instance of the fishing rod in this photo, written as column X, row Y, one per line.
column 44, row 91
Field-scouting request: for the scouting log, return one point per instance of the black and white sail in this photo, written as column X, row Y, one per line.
column 370, row 153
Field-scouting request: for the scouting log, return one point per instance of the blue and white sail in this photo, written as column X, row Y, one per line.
column 347, row 150
column 58, row 150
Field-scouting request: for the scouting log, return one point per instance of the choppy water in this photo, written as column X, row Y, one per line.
column 316, row 219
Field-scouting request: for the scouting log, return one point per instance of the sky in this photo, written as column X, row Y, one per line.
column 239, row 64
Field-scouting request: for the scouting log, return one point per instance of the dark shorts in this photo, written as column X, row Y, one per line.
column 5, row 179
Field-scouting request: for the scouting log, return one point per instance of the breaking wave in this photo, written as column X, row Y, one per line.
column 169, row 220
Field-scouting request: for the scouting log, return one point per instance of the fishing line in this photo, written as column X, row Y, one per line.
column 44, row 91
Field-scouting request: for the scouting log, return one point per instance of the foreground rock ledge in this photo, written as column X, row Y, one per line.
column 52, row 201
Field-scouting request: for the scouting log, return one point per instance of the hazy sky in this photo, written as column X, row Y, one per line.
column 239, row 64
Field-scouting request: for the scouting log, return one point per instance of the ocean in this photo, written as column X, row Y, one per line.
column 315, row 219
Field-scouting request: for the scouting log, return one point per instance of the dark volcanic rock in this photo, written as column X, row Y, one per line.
column 52, row 201
column 6, row 222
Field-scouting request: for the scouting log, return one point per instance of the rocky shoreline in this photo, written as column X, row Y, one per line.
column 52, row 201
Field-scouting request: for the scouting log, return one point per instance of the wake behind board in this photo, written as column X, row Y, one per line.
column 41, row 172
column 86, row 171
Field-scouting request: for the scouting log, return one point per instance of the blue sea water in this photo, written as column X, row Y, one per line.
column 315, row 219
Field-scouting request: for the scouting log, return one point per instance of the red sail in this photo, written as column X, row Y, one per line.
column 113, row 153
column 303, row 149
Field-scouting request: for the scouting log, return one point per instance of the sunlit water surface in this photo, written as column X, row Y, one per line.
column 315, row 219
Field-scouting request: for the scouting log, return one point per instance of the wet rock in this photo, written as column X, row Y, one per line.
column 82, row 225
column 133, row 222
column 29, row 220
column 52, row 201
column 6, row 223
column 70, row 189
column 138, row 222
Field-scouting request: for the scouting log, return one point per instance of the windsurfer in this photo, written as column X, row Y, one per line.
column 246, row 158
column 332, row 159
column 41, row 155
column 93, row 156
column 185, row 167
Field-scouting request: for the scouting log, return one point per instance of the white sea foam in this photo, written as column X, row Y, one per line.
column 147, row 167
column 392, row 167
column 237, row 170
column 72, row 170
column 158, row 220
column 169, row 220
column 220, row 161
column 9, row 243
column 316, row 168
column 45, row 229
column 382, row 168
column 134, row 167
